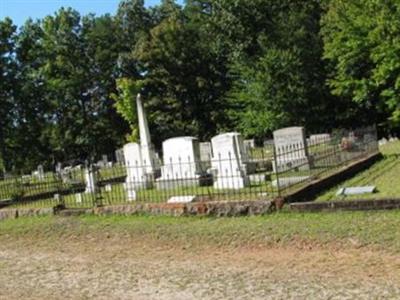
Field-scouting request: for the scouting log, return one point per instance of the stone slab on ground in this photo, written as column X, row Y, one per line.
column 182, row 199
column 358, row 190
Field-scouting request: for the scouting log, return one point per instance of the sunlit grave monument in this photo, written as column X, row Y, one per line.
column 291, row 149
column 291, row 154
column 181, row 163
column 228, row 163
column 140, row 159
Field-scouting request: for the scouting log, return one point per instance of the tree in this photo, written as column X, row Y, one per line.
column 182, row 82
column 363, row 46
column 125, row 105
column 7, row 90
column 277, row 68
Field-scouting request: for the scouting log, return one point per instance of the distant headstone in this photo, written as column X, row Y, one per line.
column 383, row 141
column 58, row 168
column 205, row 151
column 90, row 180
column 108, row 187
column 229, row 161
column 104, row 159
column 291, row 149
column 66, row 174
column 320, row 138
column 181, row 156
column 40, row 172
column 119, row 156
column 78, row 198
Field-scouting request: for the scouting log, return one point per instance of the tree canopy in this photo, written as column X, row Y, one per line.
column 68, row 82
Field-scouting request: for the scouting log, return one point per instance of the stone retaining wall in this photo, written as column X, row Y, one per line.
column 346, row 205
column 216, row 208
column 317, row 186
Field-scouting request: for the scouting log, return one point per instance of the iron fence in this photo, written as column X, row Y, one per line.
column 259, row 173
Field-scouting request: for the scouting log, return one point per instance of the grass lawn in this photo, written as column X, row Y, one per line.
column 384, row 174
column 372, row 229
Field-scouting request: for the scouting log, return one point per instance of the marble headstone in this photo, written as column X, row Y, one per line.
column 205, row 151
column 320, row 138
column 229, row 161
column 90, row 180
column 181, row 157
column 40, row 172
column 290, row 148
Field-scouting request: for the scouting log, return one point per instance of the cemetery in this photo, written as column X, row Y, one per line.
column 225, row 168
column 185, row 149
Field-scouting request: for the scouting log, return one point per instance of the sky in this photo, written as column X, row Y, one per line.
column 20, row 10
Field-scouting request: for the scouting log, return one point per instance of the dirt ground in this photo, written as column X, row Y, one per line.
column 118, row 267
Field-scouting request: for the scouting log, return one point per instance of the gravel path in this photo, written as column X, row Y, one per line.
column 118, row 268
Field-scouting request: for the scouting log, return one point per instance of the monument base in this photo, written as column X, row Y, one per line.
column 168, row 184
column 290, row 164
column 234, row 182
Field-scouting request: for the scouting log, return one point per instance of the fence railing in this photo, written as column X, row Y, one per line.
column 262, row 173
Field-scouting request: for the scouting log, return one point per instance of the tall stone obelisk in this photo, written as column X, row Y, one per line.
column 139, row 158
column 147, row 151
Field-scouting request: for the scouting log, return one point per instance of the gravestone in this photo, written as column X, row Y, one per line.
column 78, row 198
column 290, row 149
column 40, row 172
column 205, row 152
column 119, row 156
column 136, row 171
column 104, row 159
column 58, row 168
column 320, row 138
column 108, row 188
column 140, row 159
column 181, row 156
column 229, row 161
column 90, row 180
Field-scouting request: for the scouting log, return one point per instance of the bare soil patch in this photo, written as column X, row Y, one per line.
column 141, row 267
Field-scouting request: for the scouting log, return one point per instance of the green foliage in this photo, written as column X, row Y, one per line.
column 279, row 75
column 125, row 104
column 68, row 82
column 362, row 43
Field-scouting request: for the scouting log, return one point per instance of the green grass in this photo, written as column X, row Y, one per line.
column 384, row 174
column 373, row 229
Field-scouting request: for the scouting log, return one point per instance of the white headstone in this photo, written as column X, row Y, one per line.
column 320, row 138
column 108, row 187
column 205, row 151
column 90, row 180
column 78, row 198
column 137, row 177
column 229, row 161
column 40, row 172
column 181, row 156
column 119, row 156
column 58, row 168
column 290, row 148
